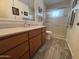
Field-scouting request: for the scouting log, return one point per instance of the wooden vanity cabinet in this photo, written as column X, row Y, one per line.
column 14, row 46
column 22, row 45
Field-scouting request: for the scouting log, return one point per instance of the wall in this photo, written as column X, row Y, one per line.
column 58, row 25
column 6, row 9
column 73, row 37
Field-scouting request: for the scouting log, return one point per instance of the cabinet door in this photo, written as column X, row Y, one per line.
column 25, row 56
column 43, row 37
column 35, row 44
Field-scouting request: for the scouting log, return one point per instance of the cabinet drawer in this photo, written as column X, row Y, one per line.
column 44, row 29
column 25, row 56
column 10, row 42
column 33, row 33
column 17, row 52
column 35, row 44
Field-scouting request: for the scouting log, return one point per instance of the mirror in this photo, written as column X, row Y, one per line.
column 26, row 9
column 30, row 4
column 17, row 9
column 31, row 9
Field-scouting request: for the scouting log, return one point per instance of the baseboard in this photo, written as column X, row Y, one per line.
column 70, row 49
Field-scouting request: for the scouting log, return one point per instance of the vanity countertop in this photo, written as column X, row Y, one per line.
column 10, row 31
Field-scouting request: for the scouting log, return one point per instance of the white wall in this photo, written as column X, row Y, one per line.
column 6, row 9
column 73, row 38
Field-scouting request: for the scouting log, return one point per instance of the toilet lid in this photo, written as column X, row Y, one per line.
column 49, row 32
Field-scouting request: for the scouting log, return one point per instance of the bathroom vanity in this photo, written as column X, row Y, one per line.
column 21, row 43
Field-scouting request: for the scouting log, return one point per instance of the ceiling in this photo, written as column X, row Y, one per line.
column 53, row 1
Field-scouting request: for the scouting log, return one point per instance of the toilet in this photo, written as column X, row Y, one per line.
column 48, row 35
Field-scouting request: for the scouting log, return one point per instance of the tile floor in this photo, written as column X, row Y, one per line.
column 54, row 49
